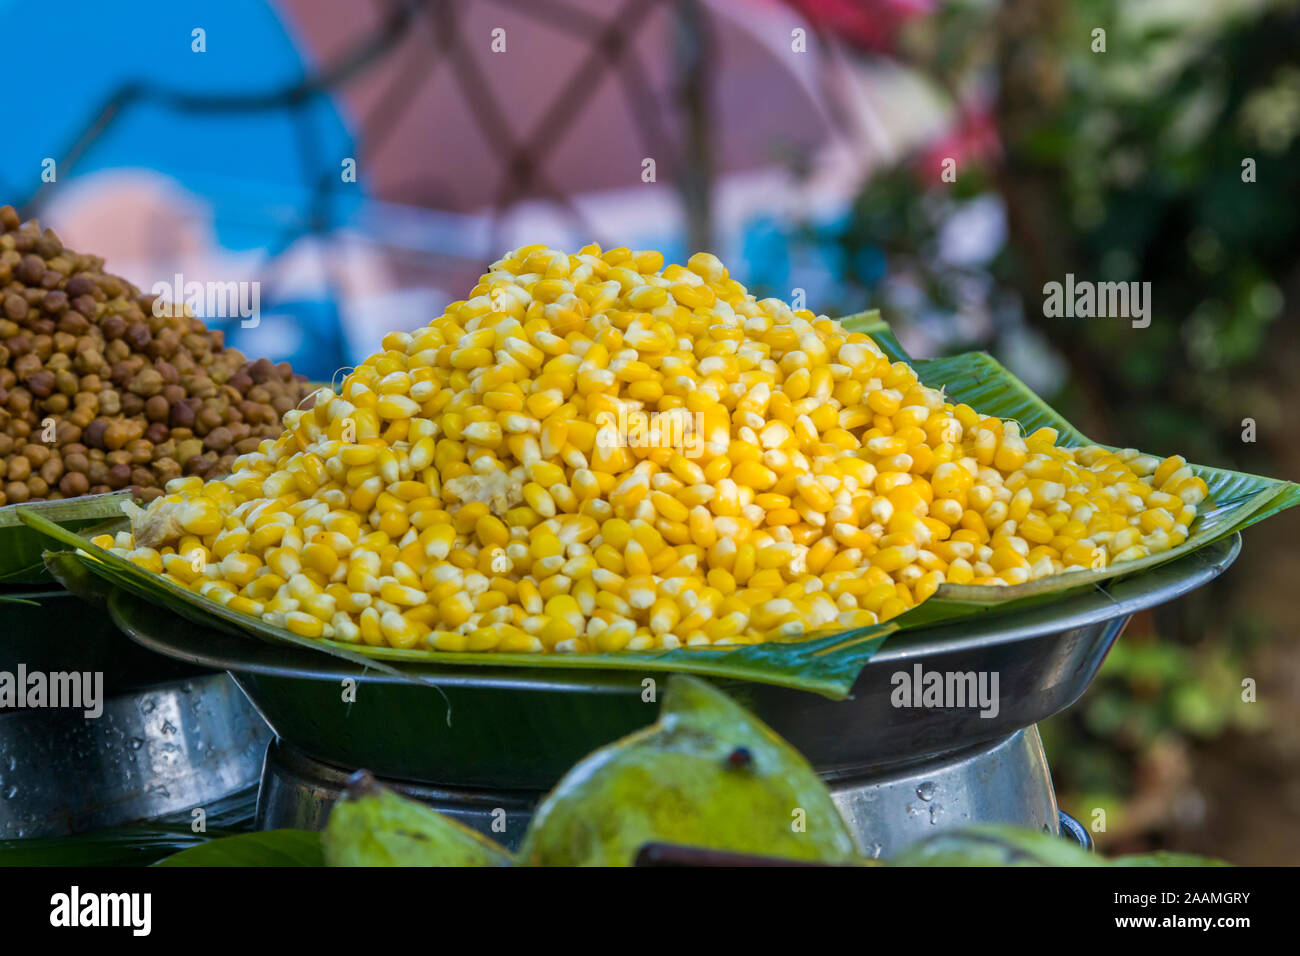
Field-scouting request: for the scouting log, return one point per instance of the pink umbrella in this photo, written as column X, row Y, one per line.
column 481, row 104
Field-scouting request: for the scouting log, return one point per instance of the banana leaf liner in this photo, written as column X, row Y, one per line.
column 823, row 662
column 826, row 664
column 21, row 546
column 136, row 844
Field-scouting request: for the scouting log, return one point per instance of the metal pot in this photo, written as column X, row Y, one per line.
column 171, row 736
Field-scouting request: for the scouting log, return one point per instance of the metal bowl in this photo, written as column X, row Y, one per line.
column 169, row 748
column 521, row 729
column 171, row 737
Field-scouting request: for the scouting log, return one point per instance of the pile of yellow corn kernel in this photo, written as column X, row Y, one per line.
column 595, row 452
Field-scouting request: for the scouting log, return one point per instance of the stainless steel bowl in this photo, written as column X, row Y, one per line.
column 167, row 748
column 521, row 729
column 171, row 737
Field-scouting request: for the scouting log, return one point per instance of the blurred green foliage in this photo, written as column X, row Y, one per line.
column 1116, row 166
column 1151, row 694
column 1172, row 158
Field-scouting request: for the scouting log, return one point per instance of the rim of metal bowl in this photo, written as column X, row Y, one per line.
column 1124, row 597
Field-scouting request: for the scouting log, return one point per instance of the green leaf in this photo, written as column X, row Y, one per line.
column 980, row 381
column 67, row 570
column 265, row 848
column 136, row 846
column 870, row 323
column 998, row 844
column 20, row 546
column 824, row 662
column 1166, row 858
column 133, row 844
column 196, row 608
column 994, row 844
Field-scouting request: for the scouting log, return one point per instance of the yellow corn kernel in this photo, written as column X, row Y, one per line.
column 304, row 624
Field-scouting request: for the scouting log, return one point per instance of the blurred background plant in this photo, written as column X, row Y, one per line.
column 1172, row 156
column 942, row 161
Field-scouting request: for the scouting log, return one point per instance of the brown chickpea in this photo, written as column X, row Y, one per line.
column 141, row 451
column 73, row 484
column 52, row 470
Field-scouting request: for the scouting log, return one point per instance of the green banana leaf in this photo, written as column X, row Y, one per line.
column 268, row 848
column 826, row 663
column 20, row 546
column 1167, row 858
column 1001, row 844
column 141, row 845
column 120, row 573
column 134, row 844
